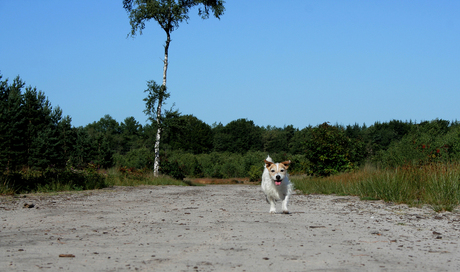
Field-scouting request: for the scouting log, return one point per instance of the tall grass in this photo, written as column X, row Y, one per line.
column 437, row 185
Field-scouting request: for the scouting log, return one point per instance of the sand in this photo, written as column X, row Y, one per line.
column 220, row 228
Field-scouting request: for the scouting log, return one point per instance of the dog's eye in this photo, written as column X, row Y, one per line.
column 273, row 171
column 282, row 170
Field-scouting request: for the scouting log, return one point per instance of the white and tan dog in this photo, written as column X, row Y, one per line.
column 276, row 184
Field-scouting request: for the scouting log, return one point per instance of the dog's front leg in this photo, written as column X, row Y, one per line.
column 285, row 203
column 272, row 205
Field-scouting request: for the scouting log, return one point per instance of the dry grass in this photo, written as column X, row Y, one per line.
column 437, row 185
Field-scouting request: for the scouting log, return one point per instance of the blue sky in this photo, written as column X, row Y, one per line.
column 277, row 63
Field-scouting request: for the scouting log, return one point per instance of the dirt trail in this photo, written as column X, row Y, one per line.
column 220, row 228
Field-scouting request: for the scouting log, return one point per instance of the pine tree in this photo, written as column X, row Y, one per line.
column 82, row 153
column 38, row 117
column 67, row 139
column 12, row 126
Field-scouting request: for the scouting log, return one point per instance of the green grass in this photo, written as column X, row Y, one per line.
column 437, row 185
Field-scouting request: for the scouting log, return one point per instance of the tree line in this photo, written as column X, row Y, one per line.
column 34, row 135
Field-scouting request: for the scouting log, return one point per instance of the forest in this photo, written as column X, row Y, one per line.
column 39, row 146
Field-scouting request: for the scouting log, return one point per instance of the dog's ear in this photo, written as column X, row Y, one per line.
column 286, row 163
column 268, row 163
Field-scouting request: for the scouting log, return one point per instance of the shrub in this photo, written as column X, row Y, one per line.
column 255, row 173
column 330, row 151
column 422, row 146
column 138, row 158
column 172, row 168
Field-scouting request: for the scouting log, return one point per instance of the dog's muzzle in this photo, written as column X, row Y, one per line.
column 278, row 182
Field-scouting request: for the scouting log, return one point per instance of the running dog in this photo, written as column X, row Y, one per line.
column 276, row 184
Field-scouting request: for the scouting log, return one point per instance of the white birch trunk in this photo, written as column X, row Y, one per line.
column 156, row 165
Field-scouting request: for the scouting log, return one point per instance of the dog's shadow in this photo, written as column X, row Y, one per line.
column 290, row 213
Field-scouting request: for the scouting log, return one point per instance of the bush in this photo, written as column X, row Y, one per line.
column 300, row 165
column 422, row 146
column 137, row 158
column 255, row 173
column 172, row 168
column 330, row 151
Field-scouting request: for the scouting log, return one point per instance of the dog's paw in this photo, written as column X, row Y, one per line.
column 272, row 211
column 286, row 212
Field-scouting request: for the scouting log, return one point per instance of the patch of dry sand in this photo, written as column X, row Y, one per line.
column 220, row 228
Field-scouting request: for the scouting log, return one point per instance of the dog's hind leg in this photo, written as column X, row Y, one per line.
column 285, row 203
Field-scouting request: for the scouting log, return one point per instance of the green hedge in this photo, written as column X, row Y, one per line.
column 212, row 165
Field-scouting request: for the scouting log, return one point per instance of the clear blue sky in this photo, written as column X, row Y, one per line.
column 277, row 63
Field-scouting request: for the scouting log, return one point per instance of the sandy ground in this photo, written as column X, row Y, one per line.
column 220, row 228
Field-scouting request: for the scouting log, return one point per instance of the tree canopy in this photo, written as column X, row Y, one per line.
column 168, row 13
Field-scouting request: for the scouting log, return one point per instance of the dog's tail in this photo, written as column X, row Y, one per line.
column 269, row 159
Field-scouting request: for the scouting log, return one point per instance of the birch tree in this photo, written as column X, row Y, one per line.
column 168, row 14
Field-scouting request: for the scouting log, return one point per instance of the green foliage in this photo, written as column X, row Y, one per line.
column 380, row 135
column 187, row 133
column 231, row 165
column 12, row 125
column 83, row 152
column 172, row 168
column 297, row 142
column 330, row 151
column 425, row 143
column 156, row 95
column 32, row 133
column 299, row 164
column 255, row 173
column 136, row 158
column 104, row 138
column 168, row 13
column 276, row 140
column 131, row 133
column 238, row 136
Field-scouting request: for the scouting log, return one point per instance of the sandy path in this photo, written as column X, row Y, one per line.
column 221, row 228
